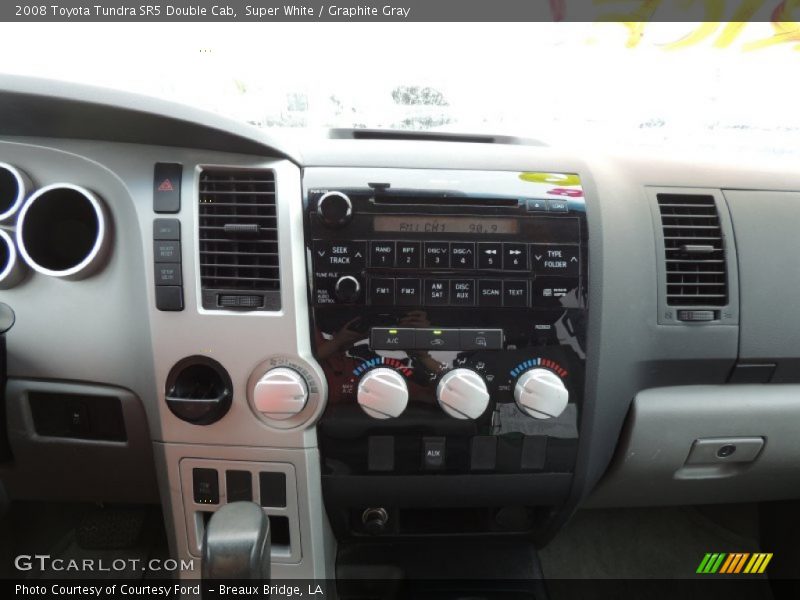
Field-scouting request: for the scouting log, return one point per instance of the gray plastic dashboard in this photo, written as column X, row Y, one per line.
column 105, row 331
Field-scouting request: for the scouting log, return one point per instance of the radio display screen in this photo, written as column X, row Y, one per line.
column 416, row 224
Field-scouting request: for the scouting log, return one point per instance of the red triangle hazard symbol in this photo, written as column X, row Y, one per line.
column 166, row 186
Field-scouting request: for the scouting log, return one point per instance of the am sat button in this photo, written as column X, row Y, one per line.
column 391, row 338
column 437, row 339
column 481, row 339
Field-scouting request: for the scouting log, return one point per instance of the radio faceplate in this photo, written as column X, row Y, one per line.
column 425, row 272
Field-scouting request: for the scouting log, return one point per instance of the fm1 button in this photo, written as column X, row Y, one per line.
column 381, row 291
column 391, row 338
column 433, row 453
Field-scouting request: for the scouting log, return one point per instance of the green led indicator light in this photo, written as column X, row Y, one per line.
column 393, row 331
column 437, row 332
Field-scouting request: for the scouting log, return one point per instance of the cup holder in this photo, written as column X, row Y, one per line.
column 62, row 231
column 199, row 390
column 14, row 185
column 11, row 271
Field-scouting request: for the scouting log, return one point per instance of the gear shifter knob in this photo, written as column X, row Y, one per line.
column 236, row 543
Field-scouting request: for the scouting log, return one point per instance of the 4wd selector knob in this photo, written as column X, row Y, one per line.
column 462, row 394
column 383, row 393
column 541, row 394
column 281, row 393
column 335, row 209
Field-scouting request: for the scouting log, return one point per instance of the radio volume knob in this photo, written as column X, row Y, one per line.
column 383, row 393
column 281, row 393
column 541, row 394
column 462, row 394
column 335, row 209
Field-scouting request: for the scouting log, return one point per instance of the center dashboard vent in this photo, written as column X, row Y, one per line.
column 238, row 236
column 694, row 251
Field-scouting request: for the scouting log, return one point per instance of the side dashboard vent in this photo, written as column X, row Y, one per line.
column 238, row 235
column 694, row 251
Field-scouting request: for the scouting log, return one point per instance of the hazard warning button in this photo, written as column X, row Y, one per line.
column 167, row 187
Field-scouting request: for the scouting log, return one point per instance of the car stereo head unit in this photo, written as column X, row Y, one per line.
column 448, row 313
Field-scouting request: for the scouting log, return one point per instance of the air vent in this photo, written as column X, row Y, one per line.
column 694, row 251
column 239, row 240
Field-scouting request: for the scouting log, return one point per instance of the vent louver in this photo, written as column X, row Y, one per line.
column 238, row 240
column 694, row 250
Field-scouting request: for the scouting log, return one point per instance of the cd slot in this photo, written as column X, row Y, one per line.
column 441, row 200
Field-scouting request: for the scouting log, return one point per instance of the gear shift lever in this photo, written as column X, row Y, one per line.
column 236, row 543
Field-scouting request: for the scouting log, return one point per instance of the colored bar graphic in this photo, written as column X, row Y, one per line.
column 734, row 563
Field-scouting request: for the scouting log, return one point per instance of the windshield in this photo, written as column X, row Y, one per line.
column 677, row 84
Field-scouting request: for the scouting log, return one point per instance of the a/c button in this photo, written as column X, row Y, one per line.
column 391, row 338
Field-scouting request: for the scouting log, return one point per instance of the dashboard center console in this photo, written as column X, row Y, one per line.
column 448, row 314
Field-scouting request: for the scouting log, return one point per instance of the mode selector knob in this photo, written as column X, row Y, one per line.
column 462, row 394
column 541, row 394
column 335, row 209
column 281, row 393
column 383, row 393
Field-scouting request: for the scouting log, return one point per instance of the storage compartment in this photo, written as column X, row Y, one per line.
column 706, row 444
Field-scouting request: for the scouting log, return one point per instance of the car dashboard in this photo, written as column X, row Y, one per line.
column 383, row 336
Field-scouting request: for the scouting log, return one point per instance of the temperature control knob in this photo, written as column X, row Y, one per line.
column 383, row 393
column 335, row 209
column 281, row 393
column 462, row 394
column 347, row 288
column 541, row 394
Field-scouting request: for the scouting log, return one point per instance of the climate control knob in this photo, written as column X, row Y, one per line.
column 462, row 394
column 347, row 288
column 281, row 393
column 383, row 393
column 335, row 209
column 541, row 394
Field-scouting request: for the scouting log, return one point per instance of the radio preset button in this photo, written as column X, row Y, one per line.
column 381, row 291
column 408, row 255
column 554, row 260
column 515, row 257
column 490, row 255
column 408, row 292
column 391, row 338
column 437, row 339
column 381, row 254
column 437, row 255
column 462, row 292
column 515, row 293
column 481, row 339
column 490, row 292
column 462, row 255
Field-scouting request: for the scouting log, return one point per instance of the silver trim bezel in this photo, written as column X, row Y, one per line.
column 23, row 184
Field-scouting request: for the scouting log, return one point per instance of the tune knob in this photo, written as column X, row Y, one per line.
column 462, row 394
column 541, row 394
column 347, row 288
column 281, row 393
column 335, row 209
column 383, row 393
